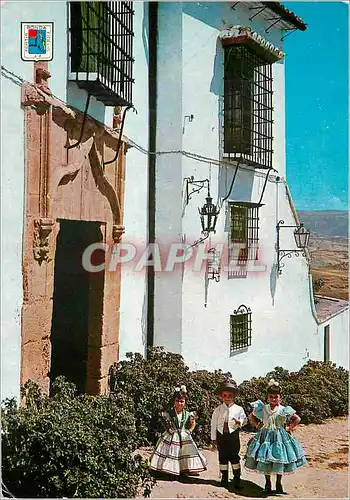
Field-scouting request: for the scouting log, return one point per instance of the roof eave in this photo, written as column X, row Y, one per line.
column 286, row 15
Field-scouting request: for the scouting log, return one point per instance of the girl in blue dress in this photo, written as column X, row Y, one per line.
column 273, row 450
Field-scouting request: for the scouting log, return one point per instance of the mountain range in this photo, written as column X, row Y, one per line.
column 326, row 223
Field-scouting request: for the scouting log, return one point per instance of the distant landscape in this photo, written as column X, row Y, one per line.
column 328, row 250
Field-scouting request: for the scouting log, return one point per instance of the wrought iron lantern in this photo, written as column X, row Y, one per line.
column 209, row 215
column 301, row 236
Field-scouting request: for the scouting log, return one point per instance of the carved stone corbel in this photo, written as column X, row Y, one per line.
column 117, row 232
column 41, row 245
column 31, row 97
column 42, row 74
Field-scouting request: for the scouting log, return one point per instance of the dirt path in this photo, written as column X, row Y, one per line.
column 325, row 475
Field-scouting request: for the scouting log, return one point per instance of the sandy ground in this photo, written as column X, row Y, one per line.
column 325, row 475
column 330, row 261
column 336, row 282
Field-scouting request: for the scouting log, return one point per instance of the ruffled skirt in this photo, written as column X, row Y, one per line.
column 174, row 457
column 274, row 451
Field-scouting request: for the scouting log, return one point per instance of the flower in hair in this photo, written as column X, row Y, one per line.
column 177, row 389
column 272, row 383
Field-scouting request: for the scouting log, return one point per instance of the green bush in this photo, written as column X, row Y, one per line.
column 317, row 391
column 151, row 383
column 70, row 445
column 84, row 446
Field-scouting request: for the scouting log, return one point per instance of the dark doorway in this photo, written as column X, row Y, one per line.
column 327, row 347
column 77, row 301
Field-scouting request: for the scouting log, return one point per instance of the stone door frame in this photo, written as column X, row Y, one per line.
column 66, row 184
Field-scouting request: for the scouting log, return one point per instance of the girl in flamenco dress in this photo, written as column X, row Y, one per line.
column 176, row 453
column 273, row 450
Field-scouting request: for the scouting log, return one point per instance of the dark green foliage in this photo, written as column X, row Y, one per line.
column 151, row 384
column 70, row 445
column 317, row 391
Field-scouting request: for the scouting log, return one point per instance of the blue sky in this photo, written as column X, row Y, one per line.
column 317, row 106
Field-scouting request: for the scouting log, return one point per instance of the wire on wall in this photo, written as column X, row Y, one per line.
column 189, row 154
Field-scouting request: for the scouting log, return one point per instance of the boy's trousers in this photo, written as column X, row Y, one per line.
column 228, row 448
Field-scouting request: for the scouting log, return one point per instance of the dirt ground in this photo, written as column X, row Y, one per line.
column 336, row 282
column 330, row 261
column 324, row 476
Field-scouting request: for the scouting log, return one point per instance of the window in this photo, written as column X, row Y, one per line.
column 247, row 106
column 101, row 36
column 240, row 329
column 244, row 232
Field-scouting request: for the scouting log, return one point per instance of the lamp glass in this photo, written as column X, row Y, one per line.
column 209, row 214
column 301, row 236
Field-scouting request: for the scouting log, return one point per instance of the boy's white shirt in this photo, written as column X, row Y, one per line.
column 224, row 413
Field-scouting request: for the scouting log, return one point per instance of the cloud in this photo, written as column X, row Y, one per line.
column 335, row 203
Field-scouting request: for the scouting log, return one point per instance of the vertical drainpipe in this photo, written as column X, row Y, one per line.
column 152, row 124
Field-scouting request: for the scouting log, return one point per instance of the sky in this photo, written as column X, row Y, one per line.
column 317, row 70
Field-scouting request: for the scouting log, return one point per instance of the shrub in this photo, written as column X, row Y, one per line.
column 70, row 445
column 84, row 446
column 317, row 391
column 151, row 383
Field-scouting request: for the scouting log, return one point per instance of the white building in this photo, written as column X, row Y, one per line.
column 209, row 94
column 221, row 102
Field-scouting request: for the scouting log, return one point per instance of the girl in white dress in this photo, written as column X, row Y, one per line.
column 176, row 452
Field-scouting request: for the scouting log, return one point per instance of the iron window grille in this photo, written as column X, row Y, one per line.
column 101, row 50
column 240, row 329
column 247, row 106
column 243, row 241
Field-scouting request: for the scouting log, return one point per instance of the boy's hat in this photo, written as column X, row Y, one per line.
column 227, row 385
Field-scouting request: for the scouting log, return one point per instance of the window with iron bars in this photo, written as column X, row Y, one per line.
column 101, row 50
column 247, row 106
column 240, row 329
column 243, row 241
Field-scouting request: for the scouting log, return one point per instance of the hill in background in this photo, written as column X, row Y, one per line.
column 326, row 223
column 328, row 250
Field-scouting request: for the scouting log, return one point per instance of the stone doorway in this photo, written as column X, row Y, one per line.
column 70, row 188
column 77, row 301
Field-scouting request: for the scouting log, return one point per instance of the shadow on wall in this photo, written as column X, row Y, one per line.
column 209, row 13
column 77, row 97
column 242, row 188
column 145, row 31
column 144, row 319
column 273, row 282
column 217, row 83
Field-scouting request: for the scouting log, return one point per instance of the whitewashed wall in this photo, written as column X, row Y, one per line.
column 12, row 14
column 133, row 304
column 12, row 204
column 12, row 167
column 168, row 286
column 12, row 158
column 339, row 338
column 284, row 329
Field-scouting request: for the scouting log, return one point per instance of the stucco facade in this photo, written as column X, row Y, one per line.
column 63, row 199
column 333, row 329
column 193, row 315
column 60, row 198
